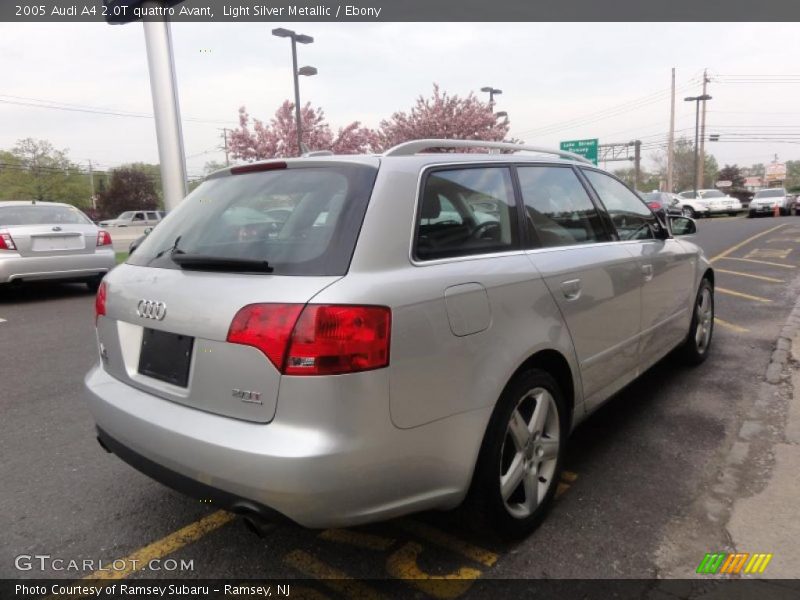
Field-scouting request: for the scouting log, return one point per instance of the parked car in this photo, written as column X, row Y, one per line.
column 716, row 201
column 766, row 201
column 693, row 207
column 384, row 360
column 134, row 217
column 51, row 241
column 669, row 204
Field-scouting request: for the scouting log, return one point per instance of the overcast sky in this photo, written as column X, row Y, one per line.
column 611, row 81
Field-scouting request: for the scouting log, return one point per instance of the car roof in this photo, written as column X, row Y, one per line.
column 32, row 203
column 417, row 160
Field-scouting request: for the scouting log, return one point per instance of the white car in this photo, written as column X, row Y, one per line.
column 134, row 217
column 715, row 201
column 692, row 208
column 765, row 202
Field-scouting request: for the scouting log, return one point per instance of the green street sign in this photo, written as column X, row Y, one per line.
column 586, row 148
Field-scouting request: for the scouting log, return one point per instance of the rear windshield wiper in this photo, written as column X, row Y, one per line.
column 172, row 249
column 202, row 262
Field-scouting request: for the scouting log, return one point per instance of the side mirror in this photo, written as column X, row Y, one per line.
column 148, row 230
column 682, row 226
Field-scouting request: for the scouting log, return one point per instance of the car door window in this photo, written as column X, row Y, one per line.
column 558, row 210
column 630, row 215
column 466, row 211
column 138, row 217
column 151, row 216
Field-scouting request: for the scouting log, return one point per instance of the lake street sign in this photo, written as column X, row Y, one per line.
column 586, row 148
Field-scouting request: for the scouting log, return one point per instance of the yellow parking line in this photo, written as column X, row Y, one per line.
column 569, row 476
column 759, row 262
column 356, row 538
column 731, row 326
column 402, row 564
column 741, row 295
column 335, row 579
column 167, row 545
column 761, row 277
column 485, row 557
column 745, row 242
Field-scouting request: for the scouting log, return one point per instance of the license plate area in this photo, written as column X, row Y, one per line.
column 55, row 243
column 166, row 356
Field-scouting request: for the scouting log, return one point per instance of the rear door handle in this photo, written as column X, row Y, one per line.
column 571, row 289
column 647, row 271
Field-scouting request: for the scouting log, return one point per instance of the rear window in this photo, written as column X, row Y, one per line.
column 713, row 194
column 776, row 193
column 37, row 214
column 303, row 221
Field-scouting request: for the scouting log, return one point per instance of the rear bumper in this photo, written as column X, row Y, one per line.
column 330, row 458
column 79, row 266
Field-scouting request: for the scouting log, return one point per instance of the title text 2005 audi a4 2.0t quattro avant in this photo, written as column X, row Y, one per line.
column 423, row 329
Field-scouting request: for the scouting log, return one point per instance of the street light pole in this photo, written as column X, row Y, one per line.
column 696, row 100
column 164, row 89
column 492, row 91
column 303, row 39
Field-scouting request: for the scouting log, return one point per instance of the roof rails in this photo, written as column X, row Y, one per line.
column 416, row 146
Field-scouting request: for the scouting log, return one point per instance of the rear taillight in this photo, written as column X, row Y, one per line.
column 6, row 242
column 100, row 301
column 317, row 339
column 267, row 327
column 103, row 238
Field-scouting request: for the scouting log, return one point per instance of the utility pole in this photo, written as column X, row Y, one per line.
column 637, row 163
column 225, row 136
column 671, row 139
column 701, row 161
column 91, row 182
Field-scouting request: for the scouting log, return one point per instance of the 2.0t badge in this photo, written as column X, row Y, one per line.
column 150, row 309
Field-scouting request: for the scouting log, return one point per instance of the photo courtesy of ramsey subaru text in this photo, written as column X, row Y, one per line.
column 418, row 331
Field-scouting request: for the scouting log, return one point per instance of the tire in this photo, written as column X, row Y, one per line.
column 696, row 346
column 514, row 513
column 687, row 211
column 94, row 283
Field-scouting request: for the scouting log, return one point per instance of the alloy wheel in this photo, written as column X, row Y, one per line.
column 529, row 454
column 704, row 314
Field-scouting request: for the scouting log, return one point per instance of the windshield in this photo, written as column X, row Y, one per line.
column 127, row 215
column 652, row 197
column 776, row 193
column 713, row 194
column 38, row 214
column 302, row 221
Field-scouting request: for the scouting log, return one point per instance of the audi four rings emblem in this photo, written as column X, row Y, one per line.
column 150, row 309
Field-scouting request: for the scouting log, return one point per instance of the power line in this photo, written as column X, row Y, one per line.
column 607, row 113
column 56, row 105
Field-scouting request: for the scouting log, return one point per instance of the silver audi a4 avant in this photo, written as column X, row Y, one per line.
column 417, row 331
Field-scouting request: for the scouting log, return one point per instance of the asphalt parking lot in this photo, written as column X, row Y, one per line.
column 629, row 504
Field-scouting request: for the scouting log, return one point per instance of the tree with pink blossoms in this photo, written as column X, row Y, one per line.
column 443, row 116
column 278, row 139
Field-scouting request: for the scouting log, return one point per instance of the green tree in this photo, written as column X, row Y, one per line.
column 792, row 174
column 684, row 166
column 647, row 181
column 129, row 189
column 35, row 170
column 212, row 166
